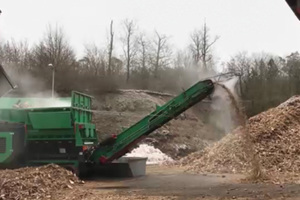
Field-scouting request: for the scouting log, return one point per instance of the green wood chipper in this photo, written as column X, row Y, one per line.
column 36, row 131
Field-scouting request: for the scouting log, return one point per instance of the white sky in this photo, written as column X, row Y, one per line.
column 251, row 25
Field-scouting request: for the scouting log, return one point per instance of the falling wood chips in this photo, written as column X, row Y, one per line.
column 275, row 135
column 35, row 182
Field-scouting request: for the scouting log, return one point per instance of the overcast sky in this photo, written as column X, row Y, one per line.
column 243, row 25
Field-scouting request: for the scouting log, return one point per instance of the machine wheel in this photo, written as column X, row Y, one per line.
column 83, row 170
column 73, row 169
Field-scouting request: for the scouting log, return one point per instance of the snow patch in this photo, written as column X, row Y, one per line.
column 155, row 156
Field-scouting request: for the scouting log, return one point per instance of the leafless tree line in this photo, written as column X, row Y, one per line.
column 265, row 80
column 149, row 62
column 146, row 62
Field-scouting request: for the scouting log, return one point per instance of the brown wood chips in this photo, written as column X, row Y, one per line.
column 35, row 182
column 275, row 135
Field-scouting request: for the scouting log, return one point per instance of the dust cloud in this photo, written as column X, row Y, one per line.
column 222, row 114
column 29, row 86
column 248, row 147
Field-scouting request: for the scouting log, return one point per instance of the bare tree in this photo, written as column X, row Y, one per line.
column 240, row 65
column 162, row 52
column 129, row 44
column 94, row 60
column 16, row 54
column 292, row 69
column 182, row 60
column 201, row 46
column 55, row 49
column 116, row 65
column 110, row 49
column 196, row 46
column 2, row 56
column 142, row 53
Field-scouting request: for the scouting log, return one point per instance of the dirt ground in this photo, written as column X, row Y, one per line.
column 163, row 182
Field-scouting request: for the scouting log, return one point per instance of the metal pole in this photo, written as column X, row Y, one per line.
column 53, row 79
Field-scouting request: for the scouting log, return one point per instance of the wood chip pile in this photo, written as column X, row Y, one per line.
column 35, row 182
column 275, row 135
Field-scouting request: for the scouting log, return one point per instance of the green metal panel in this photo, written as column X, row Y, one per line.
column 81, row 107
column 87, row 134
column 12, row 115
column 50, row 120
column 153, row 121
column 79, row 104
column 12, row 102
column 50, row 134
column 6, row 150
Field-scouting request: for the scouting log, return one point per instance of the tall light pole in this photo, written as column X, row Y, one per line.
column 53, row 77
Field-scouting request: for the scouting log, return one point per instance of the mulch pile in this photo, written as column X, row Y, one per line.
column 35, row 182
column 275, row 136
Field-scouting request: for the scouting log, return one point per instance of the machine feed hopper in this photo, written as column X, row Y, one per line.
column 45, row 130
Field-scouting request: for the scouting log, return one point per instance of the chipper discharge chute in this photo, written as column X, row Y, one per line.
column 118, row 145
column 36, row 131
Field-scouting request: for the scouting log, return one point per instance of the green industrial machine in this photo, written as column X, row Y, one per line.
column 35, row 131
column 122, row 144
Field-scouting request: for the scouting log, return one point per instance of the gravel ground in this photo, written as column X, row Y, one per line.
column 165, row 182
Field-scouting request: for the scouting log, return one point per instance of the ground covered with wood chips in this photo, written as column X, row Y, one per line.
column 275, row 135
column 35, row 182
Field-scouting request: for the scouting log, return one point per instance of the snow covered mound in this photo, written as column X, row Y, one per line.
column 155, row 156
